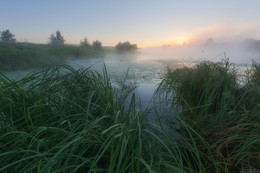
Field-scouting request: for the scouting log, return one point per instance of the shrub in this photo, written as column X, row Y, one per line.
column 84, row 43
column 56, row 39
column 7, row 37
column 96, row 45
column 126, row 47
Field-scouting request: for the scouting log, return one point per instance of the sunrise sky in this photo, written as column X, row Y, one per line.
column 147, row 23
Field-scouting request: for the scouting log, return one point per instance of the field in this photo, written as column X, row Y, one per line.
column 66, row 120
column 20, row 56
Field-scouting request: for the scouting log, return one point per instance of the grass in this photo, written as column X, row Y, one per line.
column 218, row 116
column 18, row 56
column 66, row 120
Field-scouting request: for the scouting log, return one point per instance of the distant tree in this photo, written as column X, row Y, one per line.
column 209, row 42
column 58, row 39
column 84, row 43
column 96, row 45
column 252, row 45
column 126, row 47
column 7, row 37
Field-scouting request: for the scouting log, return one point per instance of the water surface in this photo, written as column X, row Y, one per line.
column 143, row 70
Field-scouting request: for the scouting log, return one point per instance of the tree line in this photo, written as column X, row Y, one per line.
column 58, row 39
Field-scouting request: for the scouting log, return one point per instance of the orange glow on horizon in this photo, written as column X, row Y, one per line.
column 181, row 40
column 171, row 42
column 177, row 41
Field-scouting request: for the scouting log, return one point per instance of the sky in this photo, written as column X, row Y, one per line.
column 147, row 23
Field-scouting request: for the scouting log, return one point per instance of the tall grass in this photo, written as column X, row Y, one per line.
column 17, row 56
column 66, row 120
column 220, row 119
column 63, row 120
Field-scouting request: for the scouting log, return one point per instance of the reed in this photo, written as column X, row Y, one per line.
column 66, row 120
column 219, row 117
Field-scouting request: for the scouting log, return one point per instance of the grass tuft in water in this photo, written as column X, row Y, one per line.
column 219, row 119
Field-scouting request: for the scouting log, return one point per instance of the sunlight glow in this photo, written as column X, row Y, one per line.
column 181, row 40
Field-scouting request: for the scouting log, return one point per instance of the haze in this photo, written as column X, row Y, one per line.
column 187, row 29
column 147, row 23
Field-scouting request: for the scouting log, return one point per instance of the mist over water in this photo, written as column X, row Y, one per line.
column 240, row 52
column 145, row 69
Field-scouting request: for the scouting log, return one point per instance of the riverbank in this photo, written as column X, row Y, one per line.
column 21, row 56
column 62, row 119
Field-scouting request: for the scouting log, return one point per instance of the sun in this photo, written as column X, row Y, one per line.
column 178, row 40
column 182, row 40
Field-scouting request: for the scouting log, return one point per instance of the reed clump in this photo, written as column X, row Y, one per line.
column 219, row 117
column 61, row 119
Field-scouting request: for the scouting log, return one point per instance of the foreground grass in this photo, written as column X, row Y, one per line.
column 219, row 116
column 62, row 120
column 66, row 120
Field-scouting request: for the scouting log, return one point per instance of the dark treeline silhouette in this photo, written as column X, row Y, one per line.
column 96, row 45
column 21, row 55
column 85, row 43
column 126, row 47
column 7, row 36
column 57, row 39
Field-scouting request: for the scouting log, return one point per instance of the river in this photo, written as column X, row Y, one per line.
column 143, row 70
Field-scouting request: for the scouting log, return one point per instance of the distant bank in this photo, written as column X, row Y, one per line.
column 18, row 56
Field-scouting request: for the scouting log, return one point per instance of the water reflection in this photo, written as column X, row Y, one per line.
column 140, row 71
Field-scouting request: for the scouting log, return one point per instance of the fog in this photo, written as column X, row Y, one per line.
column 239, row 52
column 146, row 68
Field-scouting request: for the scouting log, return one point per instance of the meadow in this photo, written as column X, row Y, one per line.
column 204, row 119
column 20, row 56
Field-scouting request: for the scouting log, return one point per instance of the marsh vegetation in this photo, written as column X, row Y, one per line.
column 20, row 56
column 66, row 120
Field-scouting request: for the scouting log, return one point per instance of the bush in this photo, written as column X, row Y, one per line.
column 56, row 39
column 84, row 43
column 7, row 37
column 96, row 45
column 126, row 47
